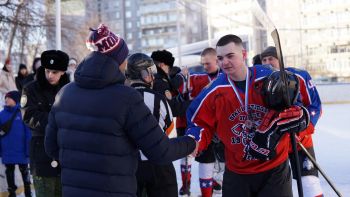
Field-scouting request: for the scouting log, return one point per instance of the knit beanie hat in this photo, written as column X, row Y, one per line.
column 14, row 95
column 54, row 60
column 163, row 56
column 269, row 51
column 22, row 66
column 106, row 42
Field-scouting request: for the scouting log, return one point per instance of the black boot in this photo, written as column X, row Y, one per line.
column 26, row 180
column 12, row 192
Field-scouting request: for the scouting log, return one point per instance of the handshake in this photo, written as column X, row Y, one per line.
column 273, row 126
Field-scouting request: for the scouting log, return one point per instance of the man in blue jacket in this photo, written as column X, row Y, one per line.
column 97, row 125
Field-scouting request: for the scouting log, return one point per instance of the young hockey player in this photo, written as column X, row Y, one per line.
column 256, row 138
column 311, row 100
column 196, row 83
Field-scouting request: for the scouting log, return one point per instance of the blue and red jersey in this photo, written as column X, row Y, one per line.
column 217, row 109
column 193, row 86
column 310, row 98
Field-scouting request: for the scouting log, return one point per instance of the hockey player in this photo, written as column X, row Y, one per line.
column 156, row 180
column 311, row 100
column 255, row 137
column 196, row 83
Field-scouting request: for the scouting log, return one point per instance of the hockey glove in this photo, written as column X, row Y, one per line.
column 262, row 145
column 273, row 126
column 293, row 119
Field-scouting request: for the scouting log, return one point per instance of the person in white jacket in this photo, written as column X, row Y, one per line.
column 7, row 82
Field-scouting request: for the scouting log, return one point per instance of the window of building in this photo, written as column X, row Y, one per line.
column 128, row 14
column 127, row 3
column 129, row 25
column 129, row 36
column 117, row 15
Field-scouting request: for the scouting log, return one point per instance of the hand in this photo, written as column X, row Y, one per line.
column 195, row 152
column 294, row 119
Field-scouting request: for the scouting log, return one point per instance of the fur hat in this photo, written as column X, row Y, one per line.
column 269, row 51
column 54, row 60
column 163, row 56
column 14, row 95
column 106, row 42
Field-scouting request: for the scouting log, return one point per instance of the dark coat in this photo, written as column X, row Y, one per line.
column 37, row 99
column 14, row 147
column 163, row 83
column 96, row 127
column 20, row 82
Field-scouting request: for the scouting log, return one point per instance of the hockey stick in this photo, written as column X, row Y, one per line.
column 267, row 22
column 319, row 168
column 283, row 75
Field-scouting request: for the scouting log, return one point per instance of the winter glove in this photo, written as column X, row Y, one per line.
column 273, row 126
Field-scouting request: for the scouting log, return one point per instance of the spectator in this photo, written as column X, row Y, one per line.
column 72, row 66
column 21, row 77
column 7, row 82
column 97, row 125
column 37, row 99
column 14, row 146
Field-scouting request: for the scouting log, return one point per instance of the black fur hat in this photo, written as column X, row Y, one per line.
column 55, row 60
column 163, row 56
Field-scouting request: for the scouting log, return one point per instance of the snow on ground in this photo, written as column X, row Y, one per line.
column 332, row 147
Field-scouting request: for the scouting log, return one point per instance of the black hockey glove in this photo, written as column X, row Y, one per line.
column 294, row 119
column 266, row 137
column 273, row 126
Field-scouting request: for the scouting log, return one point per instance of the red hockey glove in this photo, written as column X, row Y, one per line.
column 273, row 126
column 293, row 119
column 266, row 137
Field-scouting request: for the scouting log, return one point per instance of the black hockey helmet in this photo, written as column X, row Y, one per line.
column 140, row 65
column 274, row 93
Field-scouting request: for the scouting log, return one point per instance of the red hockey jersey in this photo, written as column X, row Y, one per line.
column 217, row 110
column 195, row 84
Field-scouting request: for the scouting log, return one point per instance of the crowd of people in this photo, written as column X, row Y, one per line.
column 106, row 126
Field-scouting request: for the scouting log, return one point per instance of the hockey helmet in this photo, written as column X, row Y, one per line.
column 139, row 66
column 274, row 91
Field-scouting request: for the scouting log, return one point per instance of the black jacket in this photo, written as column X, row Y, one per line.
column 96, row 127
column 163, row 83
column 37, row 99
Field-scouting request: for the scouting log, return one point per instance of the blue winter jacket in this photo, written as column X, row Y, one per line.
column 96, row 127
column 14, row 147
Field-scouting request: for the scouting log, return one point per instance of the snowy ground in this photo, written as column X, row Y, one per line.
column 332, row 146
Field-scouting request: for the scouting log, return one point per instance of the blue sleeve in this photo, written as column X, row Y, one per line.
column 315, row 107
column 309, row 95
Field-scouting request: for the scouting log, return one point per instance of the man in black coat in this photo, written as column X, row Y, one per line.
column 36, row 101
column 97, row 125
column 163, row 84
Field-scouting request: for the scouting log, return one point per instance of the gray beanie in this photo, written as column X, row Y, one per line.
column 269, row 51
